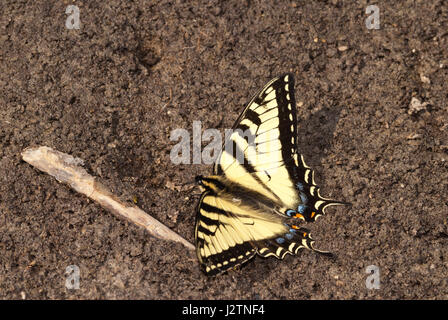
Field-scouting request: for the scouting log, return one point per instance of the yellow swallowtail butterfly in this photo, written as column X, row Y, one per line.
column 259, row 187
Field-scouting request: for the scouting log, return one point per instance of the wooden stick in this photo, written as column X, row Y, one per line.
column 66, row 169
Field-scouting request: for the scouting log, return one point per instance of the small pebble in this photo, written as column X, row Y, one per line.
column 416, row 106
column 424, row 79
column 414, row 136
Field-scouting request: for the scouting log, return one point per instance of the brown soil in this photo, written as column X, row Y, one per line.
column 112, row 91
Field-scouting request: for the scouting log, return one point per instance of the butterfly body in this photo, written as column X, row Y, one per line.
column 260, row 189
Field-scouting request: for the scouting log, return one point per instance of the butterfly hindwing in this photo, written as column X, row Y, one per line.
column 232, row 230
column 221, row 241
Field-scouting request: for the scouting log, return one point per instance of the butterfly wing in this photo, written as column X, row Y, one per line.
column 268, row 182
column 230, row 231
column 261, row 153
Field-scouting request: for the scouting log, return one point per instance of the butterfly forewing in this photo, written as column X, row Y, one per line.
column 270, row 160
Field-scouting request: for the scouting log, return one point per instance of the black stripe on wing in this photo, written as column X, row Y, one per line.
column 288, row 243
column 312, row 205
column 288, row 128
column 206, row 228
column 286, row 105
column 228, row 259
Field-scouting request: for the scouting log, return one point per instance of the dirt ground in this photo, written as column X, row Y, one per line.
column 111, row 92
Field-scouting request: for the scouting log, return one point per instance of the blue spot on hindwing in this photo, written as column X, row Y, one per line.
column 303, row 197
column 301, row 208
column 300, row 186
column 290, row 212
column 289, row 236
column 280, row 240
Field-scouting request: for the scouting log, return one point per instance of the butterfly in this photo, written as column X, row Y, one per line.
column 260, row 188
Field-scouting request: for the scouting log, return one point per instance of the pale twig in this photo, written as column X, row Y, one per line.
column 66, row 169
